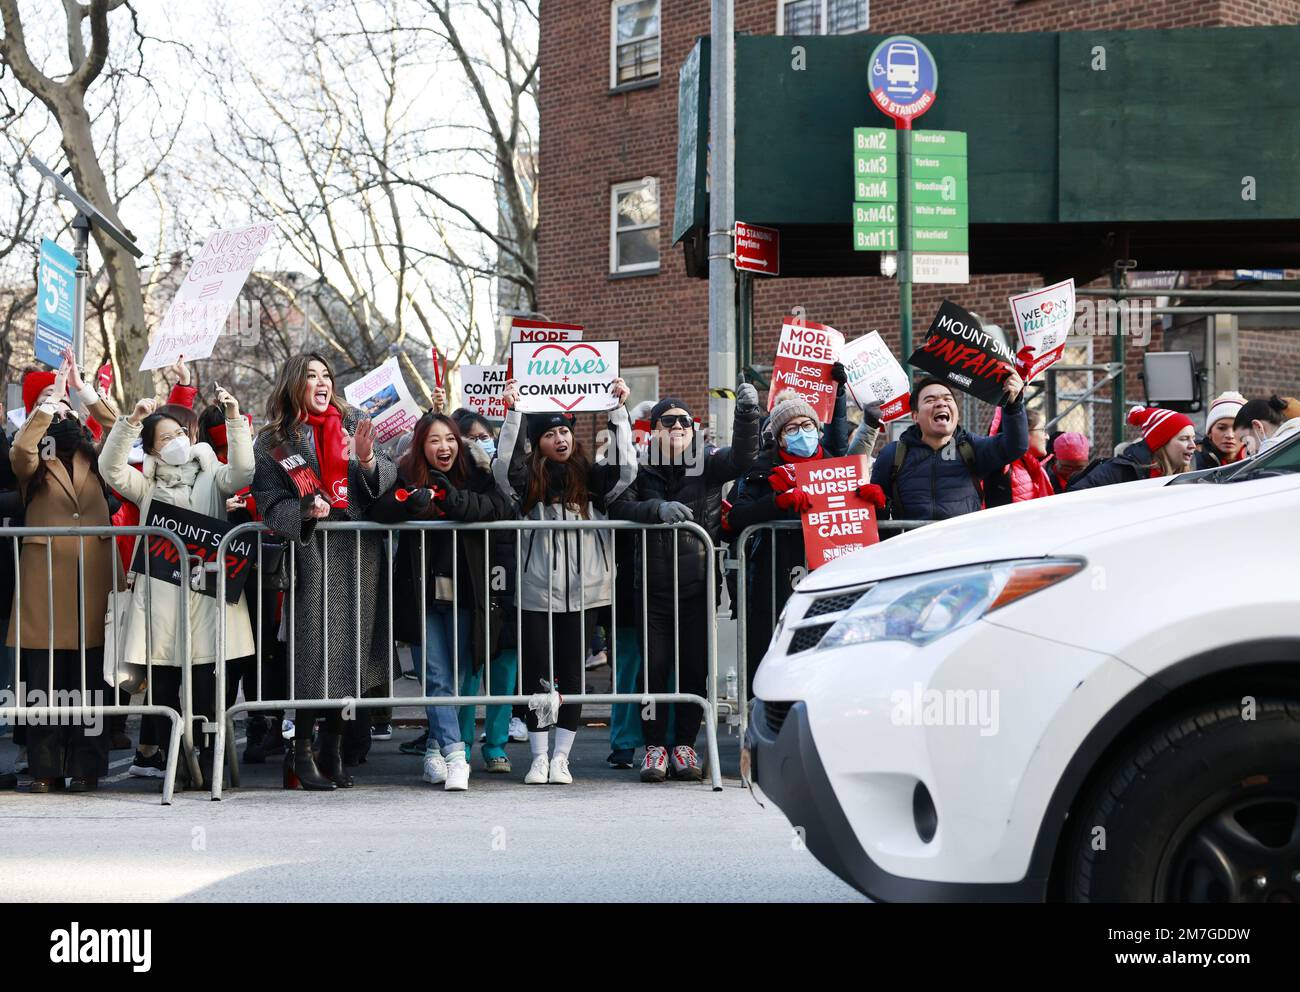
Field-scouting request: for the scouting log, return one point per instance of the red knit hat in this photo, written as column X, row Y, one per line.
column 1158, row 425
column 33, row 384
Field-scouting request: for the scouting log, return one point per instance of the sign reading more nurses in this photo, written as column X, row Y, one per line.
column 839, row 521
column 803, row 363
column 573, row 376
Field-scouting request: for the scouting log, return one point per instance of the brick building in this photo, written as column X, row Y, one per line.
column 608, row 130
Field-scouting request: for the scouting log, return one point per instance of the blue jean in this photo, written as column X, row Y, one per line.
column 444, row 727
column 496, row 723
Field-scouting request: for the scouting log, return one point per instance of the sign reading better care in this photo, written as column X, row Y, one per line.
column 573, row 376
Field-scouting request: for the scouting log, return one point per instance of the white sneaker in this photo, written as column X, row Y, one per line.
column 457, row 772
column 597, row 659
column 538, row 770
column 518, row 730
column 560, row 770
column 435, row 768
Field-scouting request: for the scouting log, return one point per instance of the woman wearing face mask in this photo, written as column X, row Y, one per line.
column 58, row 475
column 189, row 475
column 768, row 492
column 439, row 479
column 1262, row 424
column 1166, row 448
column 564, row 572
column 316, row 460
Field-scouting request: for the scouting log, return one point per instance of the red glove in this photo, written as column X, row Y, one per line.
column 873, row 494
column 726, row 516
column 794, row 499
column 782, row 479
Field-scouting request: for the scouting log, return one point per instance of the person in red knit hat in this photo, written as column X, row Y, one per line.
column 1166, row 448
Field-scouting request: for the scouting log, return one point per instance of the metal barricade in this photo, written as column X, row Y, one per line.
column 119, row 607
column 740, row 551
column 227, row 710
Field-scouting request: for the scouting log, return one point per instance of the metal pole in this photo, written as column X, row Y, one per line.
column 722, row 217
column 1118, row 406
column 745, row 326
column 81, row 228
column 904, row 133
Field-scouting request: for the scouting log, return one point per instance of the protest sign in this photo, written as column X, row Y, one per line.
column 839, row 521
column 959, row 352
column 875, row 376
column 56, row 282
column 301, row 474
column 524, row 330
column 105, row 376
column 18, row 417
column 804, row 357
column 571, row 376
column 1043, row 321
column 202, row 537
column 481, row 388
column 382, row 395
column 210, row 288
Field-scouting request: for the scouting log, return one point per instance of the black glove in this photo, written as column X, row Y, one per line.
column 746, row 399
column 419, row 500
column 839, row 375
column 871, row 415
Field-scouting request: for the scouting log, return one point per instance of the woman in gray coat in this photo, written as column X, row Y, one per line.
column 316, row 460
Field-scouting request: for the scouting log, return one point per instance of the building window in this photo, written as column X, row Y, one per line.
column 642, row 383
column 633, row 42
column 634, row 227
column 822, row 16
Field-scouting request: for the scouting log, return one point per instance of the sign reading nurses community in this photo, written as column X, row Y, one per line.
column 803, row 363
column 1043, row 321
column 958, row 351
column 573, row 376
column 839, row 521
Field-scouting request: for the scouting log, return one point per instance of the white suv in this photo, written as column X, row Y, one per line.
column 1093, row 697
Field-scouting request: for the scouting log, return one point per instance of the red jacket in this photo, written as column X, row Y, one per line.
column 1029, row 480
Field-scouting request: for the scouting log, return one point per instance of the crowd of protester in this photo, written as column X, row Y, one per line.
column 518, row 606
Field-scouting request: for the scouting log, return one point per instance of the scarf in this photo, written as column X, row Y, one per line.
column 331, row 454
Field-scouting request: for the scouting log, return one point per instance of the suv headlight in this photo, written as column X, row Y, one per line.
column 920, row 608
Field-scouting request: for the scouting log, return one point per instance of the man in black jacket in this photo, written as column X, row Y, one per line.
column 681, row 480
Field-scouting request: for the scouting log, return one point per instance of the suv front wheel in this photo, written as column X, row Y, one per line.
column 1206, row 809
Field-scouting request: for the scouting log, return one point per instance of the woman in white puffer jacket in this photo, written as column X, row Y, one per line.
column 191, row 476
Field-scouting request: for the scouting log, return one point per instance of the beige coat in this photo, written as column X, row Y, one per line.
column 202, row 484
column 62, row 501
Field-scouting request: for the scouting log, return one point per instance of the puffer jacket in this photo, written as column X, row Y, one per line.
column 937, row 485
column 1133, row 463
column 696, row 481
column 1029, row 480
column 202, row 484
column 572, row 570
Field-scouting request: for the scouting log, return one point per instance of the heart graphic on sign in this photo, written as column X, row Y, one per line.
column 1047, row 306
column 567, row 351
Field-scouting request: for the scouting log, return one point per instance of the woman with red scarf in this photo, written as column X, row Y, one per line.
column 316, row 460
column 768, row 492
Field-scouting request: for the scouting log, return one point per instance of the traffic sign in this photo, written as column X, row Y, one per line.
column 950, row 189
column 939, row 214
column 874, row 213
column 874, row 165
column 939, row 167
column 55, row 284
column 904, row 78
column 942, row 239
column 939, row 142
column 879, row 237
column 758, row 249
column 936, row 268
column 875, row 189
column 875, row 139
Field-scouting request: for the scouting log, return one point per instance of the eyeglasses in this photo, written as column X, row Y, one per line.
column 790, row 430
column 675, row 420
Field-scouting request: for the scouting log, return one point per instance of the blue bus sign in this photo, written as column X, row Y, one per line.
column 904, row 78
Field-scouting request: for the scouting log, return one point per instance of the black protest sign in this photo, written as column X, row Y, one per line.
column 201, row 536
column 959, row 352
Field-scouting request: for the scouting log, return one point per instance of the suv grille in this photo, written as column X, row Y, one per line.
column 833, row 604
column 806, row 638
column 775, row 714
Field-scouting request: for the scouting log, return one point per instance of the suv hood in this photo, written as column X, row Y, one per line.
column 1052, row 525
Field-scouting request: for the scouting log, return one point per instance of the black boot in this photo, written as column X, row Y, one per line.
column 303, row 772
column 255, row 750
column 330, row 760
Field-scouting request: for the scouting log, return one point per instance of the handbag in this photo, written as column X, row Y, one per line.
column 131, row 678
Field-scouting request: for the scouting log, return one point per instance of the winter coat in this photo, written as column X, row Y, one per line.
column 357, row 600
column 476, row 502
column 202, row 485
column 1288, row 428
column 1029, row 480
column 1207, row 456
column 937, row 485
column 1134, row 462
column 566, row 571
column 696, row 481
column 78, row 500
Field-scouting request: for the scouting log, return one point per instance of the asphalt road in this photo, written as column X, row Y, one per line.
column 393, row 838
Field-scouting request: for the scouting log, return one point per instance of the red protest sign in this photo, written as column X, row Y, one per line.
column 105, row 376
column 524, row 330
column 804, row 357
column 839, row 520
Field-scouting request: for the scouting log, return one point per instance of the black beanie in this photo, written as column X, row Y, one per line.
column 540, row 423
column 664, row 405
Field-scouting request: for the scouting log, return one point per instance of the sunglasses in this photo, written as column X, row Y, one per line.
column 675, row 420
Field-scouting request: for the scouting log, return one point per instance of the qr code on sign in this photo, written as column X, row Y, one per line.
column 880, row 388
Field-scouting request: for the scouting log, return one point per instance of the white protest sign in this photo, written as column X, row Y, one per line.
column 572, row 376
column 875, row 376
column 383, row 396
column 481, row 389
column 1043, row 321
column 210, row 288
column 18, row 417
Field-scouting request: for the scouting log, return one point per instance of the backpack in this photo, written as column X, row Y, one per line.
column 964, row 448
